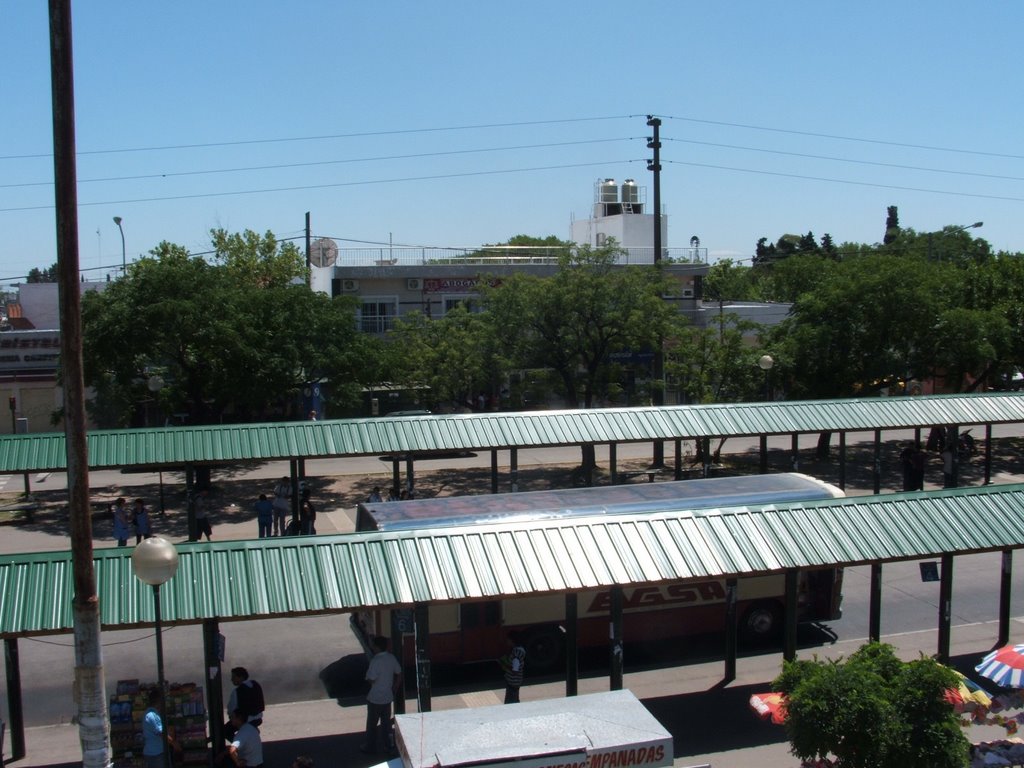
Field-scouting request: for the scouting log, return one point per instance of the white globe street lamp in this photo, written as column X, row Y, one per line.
column 765, row 363
column 155, row 561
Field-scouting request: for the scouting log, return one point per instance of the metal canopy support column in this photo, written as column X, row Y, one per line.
column 398, row 649
column 293, row 476
column 422, row 619
column 678, row 466
column 14, row 708
column 396, row 476
column 842, row 460
column 945, row 607
column 513, row 466
column 875, row 604
column 730, row 630
column 300, row 465
column 789, row 625
column 1004, row 596
column 705, row 452
column 590, row 466
column 410, row 474
column 764, row 454
column 572, row 654
column 794, row 459
column 494, row 471
column 988, row 454
column 214, row 683
column 615, row 638
column 613, row 468
column 876, row 464
column 190, row 494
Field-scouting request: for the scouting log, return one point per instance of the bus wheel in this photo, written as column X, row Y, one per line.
column 543, row 649
column 762, row 623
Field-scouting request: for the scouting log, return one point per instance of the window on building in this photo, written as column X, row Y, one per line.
column 469, row 301
column 377, row 314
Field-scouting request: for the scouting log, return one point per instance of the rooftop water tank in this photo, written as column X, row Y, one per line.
column 609, row 191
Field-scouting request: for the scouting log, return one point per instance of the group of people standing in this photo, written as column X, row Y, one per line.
column 272, row 515
column 129, row 521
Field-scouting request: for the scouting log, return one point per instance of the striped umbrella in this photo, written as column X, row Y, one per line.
column 1004, row 666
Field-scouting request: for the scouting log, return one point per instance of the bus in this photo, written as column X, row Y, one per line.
column 476, row 631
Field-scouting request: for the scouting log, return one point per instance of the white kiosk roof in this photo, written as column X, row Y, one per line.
column 601, row 730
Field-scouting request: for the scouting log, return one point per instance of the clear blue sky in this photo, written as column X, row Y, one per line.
column 777, row 118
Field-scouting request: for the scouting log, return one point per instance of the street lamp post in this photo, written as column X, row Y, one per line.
column 765, row 363
column 155, row 561
column 124, row 259
column 964, row 228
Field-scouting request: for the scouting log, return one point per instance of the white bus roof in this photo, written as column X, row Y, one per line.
column 682, row 495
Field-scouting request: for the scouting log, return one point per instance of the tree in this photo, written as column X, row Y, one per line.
column 233, row 340
column 872, row 711
column 48, row 275
column 892, row 225
column 572, row 321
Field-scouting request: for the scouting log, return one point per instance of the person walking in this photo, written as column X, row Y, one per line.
column 282, row 506
column 513, row 665
column 202, row 509
column 141, row 522
column 122, row 523
column 264, row 515
column 385, row 676
column 153, row 732
column 307, row 517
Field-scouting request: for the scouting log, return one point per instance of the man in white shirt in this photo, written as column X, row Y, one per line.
column 246, row 750
column 385, row 676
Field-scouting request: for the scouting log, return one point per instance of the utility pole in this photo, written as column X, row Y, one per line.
column 658, row 372
column 90, row 690
column 309, row 271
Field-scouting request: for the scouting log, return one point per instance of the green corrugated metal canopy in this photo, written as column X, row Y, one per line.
column 323, row 574
column 176, row 446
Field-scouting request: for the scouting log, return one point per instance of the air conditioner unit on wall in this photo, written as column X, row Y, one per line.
column 687, row 293
column 414, row 284
column 350, row 285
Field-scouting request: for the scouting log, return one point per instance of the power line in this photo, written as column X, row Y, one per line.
column 323, row 162
column 325, row 186
column 849, row 182
column 361, row 134
column 847, row 138
column 849, row 160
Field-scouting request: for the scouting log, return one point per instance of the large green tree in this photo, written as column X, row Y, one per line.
column 572, row 321
column 234, row 339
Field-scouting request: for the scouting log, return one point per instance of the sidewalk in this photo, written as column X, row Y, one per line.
column 711, row 723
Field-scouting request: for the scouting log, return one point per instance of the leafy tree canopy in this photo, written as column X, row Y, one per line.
column 229, row 340
column 873, row 711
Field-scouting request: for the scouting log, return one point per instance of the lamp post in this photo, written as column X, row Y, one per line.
column 155, row 561
column 124, row 260
column 953, row 231
column 765, row 363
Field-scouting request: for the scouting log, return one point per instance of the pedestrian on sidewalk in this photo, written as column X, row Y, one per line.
column 513, row 665
column 202, row 509
column 140, row 520
column 246, row 697
column 122, row 524
column 385, row 676
column 153, row 733
column 307, row 517
column 264, row 515
column 282, row 506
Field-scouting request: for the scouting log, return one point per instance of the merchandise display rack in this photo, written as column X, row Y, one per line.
column 186, row 718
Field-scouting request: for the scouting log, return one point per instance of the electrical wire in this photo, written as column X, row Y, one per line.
column 335, row 185
column 361, row 134
column 846, row 181
column 172, row 174
column 847, row 160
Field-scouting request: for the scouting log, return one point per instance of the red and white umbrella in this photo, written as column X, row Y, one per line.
column 1004, row 666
